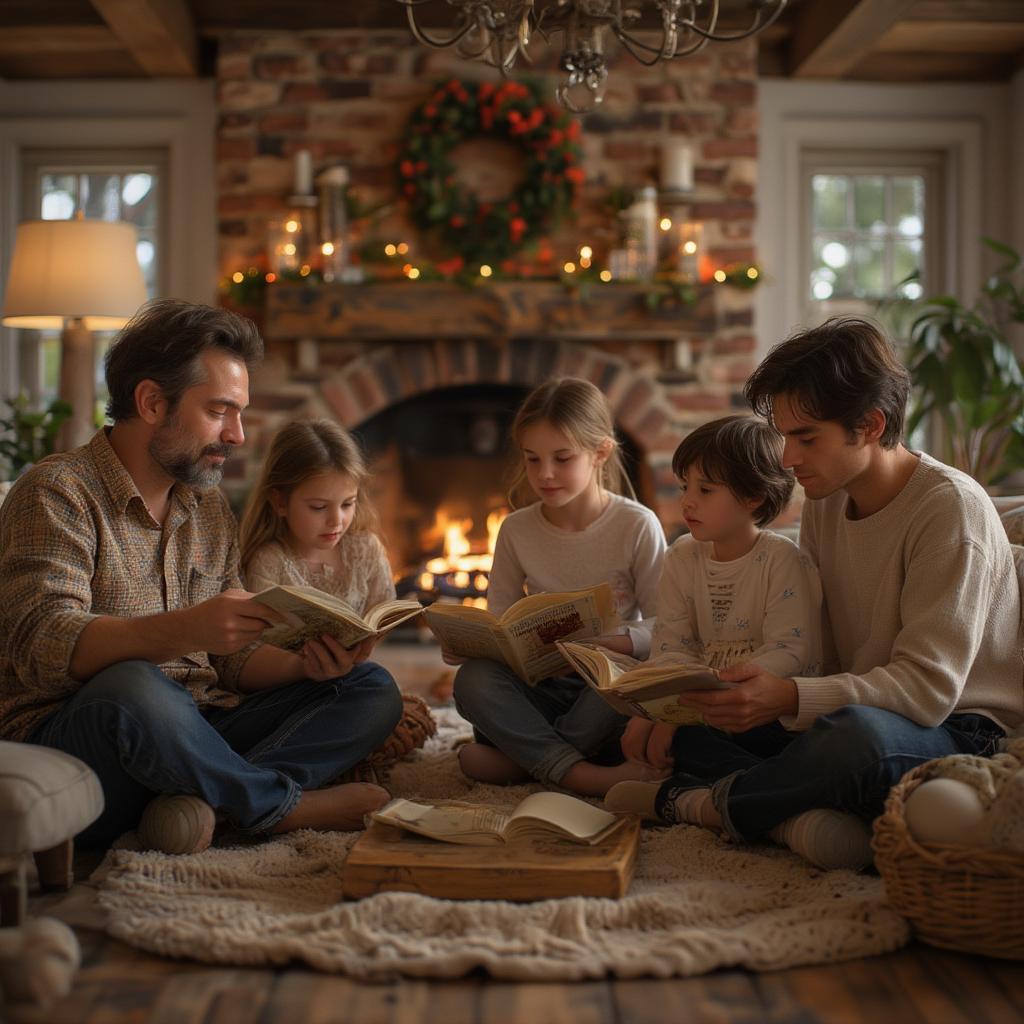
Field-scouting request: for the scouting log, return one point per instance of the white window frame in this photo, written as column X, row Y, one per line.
column 930, row 165
column 966, row 123
column 176, row 116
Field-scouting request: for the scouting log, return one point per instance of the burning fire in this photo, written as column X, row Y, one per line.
column 465, row 568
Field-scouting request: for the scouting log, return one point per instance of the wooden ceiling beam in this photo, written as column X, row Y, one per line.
column 25, row 40
column 160, row 35
column 831, row 38
column 953, row 37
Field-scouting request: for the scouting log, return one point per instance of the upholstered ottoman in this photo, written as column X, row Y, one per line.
column 46, row 798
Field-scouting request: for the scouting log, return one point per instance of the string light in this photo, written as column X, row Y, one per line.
column 291, row 226
column 720, row 276
column 569, row 267
column 413, row 273
column 752, row 273
column 327, row 248
column 485, row 271
column 403, row 248
column 238, row 277
column 605, row 275
column 665, row 224
column 390, row 249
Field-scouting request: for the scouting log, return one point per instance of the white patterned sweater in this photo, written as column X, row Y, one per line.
column 763, row 607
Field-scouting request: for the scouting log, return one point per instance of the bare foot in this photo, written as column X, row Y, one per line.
column 488, row 764
column 596, row 779
column 335, row 808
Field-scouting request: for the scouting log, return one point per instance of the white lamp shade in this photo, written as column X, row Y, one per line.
column 64, row 269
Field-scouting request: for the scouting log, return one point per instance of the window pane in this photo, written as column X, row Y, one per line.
column 101, row 195
column 869, row 202
column 139, row 199
column 831, row 274
column 906, row 260
column 830, row 192
column 908, row 205
column 58, row 192
column 869, row 269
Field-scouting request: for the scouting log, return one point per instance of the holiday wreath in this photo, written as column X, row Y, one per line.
column 469, row 230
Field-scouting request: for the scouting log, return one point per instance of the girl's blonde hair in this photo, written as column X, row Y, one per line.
column 301, row 450
column 579, row 410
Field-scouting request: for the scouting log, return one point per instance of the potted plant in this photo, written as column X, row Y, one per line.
column 967, row 378
column 27, row 434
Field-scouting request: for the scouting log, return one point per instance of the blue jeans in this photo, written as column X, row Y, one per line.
column 546, row 728
column 143, row 734
column 848, row 760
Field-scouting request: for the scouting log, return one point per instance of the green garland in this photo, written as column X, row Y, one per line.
column 468, row 231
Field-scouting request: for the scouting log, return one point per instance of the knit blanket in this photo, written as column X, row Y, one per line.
column 697, row 903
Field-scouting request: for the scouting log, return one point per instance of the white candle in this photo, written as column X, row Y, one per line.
column 676, row 166
column 303, row 172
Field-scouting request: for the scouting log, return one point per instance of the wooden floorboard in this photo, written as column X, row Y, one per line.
column 118, row 984
column 918, row 985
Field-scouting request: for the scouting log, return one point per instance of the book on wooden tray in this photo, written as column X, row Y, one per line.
column 540, row 815
column 538, row 866
column 524, row 638
column 310, row 613
column 641, row 688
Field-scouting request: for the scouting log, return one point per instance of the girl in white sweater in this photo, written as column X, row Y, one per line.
column 577, row 533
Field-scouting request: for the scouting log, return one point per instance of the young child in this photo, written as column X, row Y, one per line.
column 729, row 591
column 580, row 531
column 306, row 522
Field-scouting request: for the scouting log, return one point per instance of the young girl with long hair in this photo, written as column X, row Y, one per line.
column 582, row 528
column 308, row 524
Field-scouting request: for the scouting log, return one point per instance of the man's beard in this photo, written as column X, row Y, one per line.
column 169, row 449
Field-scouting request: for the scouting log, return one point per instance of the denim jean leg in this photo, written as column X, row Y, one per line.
column 142, row 734
column 518, row 719
column 312, row 731
column 848, row 760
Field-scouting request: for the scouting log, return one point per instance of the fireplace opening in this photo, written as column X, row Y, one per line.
column 441, row 464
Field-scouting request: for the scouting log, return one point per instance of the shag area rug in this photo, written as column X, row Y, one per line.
column 696, row 904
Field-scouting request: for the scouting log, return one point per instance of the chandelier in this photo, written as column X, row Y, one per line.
column 499, row 32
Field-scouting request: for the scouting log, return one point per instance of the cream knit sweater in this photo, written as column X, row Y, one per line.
column 922, row 603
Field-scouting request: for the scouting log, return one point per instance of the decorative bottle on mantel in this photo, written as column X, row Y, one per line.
column 642, row 232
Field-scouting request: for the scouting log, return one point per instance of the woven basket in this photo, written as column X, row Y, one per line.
column 966, row 898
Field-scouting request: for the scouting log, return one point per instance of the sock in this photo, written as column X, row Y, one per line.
column 691, row 806
column 829, row 839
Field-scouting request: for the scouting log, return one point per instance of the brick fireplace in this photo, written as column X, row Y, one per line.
column 360, row 353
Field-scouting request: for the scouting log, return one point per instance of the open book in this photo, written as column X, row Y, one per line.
column 541, row 815
column 310, row 613
column 524, row 637
column 640, row 688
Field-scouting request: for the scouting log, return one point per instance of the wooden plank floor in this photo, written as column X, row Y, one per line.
column 120, row 985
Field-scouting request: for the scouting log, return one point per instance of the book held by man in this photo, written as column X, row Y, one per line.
column 641, row 688
column 311, row 613
column 540, row 815
column 525, row 637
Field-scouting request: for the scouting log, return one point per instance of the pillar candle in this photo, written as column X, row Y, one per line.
column 676, row 166
column 303, row 172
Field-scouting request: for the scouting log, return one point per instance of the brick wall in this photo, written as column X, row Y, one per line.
column 345, row 96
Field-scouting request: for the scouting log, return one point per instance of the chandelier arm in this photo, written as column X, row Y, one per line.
column 632, row 44
column 422, row 37
column 711, row 35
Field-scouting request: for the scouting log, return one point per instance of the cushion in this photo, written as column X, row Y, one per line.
column 1013, row 524
column 46, row 797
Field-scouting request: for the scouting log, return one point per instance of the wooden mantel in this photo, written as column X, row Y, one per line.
column 407, row 310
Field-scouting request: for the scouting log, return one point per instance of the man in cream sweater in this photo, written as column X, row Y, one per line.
column 922, row 609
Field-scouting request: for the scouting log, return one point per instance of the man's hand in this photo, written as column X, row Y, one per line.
column 228, row 622
column 757, row 699
column 325, row 658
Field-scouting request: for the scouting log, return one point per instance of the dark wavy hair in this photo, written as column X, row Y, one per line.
column 744, row 454
column 163, row 342
column 839, row 371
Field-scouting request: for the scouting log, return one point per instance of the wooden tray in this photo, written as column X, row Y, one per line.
column 387, row 859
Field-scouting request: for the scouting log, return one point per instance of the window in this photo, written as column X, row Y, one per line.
column 104, row 185
column 873, row 229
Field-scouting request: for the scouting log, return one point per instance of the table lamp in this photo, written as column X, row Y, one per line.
column 80, row 276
